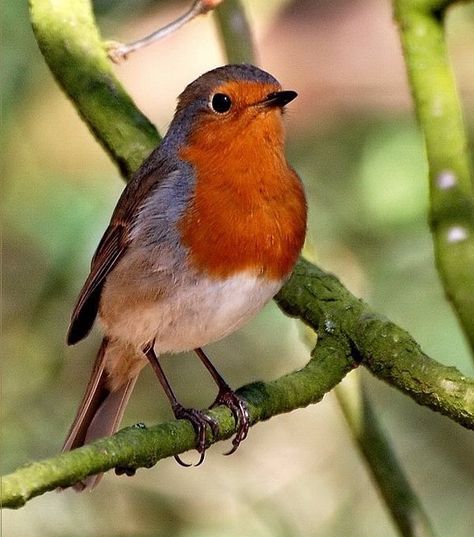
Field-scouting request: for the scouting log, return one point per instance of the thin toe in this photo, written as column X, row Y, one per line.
column 240, row 413
column 198, row 420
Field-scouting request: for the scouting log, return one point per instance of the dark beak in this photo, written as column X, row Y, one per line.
column 278, row 98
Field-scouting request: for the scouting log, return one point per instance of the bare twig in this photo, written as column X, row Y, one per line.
column 119, row 51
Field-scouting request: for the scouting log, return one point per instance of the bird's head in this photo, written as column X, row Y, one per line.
column 229, row 102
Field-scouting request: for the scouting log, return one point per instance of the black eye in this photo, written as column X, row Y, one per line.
column 221, row 103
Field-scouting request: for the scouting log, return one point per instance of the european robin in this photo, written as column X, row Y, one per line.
column 205, row 233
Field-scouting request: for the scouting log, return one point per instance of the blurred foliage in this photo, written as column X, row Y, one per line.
column 297, row 475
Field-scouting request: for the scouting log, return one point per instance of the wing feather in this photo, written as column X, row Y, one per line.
column 110, row 250
column 115, row 242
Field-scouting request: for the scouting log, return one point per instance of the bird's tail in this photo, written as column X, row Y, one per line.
column 100, row 412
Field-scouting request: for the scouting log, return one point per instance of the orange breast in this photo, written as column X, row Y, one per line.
column 249, row 209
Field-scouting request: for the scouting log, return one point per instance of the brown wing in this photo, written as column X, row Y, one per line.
column 110, row 249
column 114, row 243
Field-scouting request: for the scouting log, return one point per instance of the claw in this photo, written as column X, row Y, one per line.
column 181, row 462
column 198, row 420
column 201, row 459
column 240, row 412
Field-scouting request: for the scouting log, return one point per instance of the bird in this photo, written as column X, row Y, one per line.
column 205, row 233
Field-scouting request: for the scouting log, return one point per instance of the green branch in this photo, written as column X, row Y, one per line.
column 235, row 33
column 388, row 351
column 67, row 35
column 439, row 113
column 374, row 446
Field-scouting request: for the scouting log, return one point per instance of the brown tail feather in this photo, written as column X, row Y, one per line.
column 99, row 414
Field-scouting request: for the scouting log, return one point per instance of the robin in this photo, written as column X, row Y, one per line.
column 205, row 233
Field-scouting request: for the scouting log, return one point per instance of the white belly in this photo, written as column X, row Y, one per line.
column 198, row 313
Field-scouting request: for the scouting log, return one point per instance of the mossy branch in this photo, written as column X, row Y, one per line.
column 432, row 82
column 388, row 351
column 323, row 303
column 349, row 332
column 69, row 40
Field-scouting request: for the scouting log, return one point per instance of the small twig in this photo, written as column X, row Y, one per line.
column 119, row 51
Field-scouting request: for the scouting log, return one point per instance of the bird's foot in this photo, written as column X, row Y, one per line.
column 238, row 407
column 198, row 420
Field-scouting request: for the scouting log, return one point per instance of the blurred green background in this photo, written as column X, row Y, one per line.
column 353, row 139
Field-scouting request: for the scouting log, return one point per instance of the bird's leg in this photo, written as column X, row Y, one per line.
column 198, row 419
column 231, row 400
